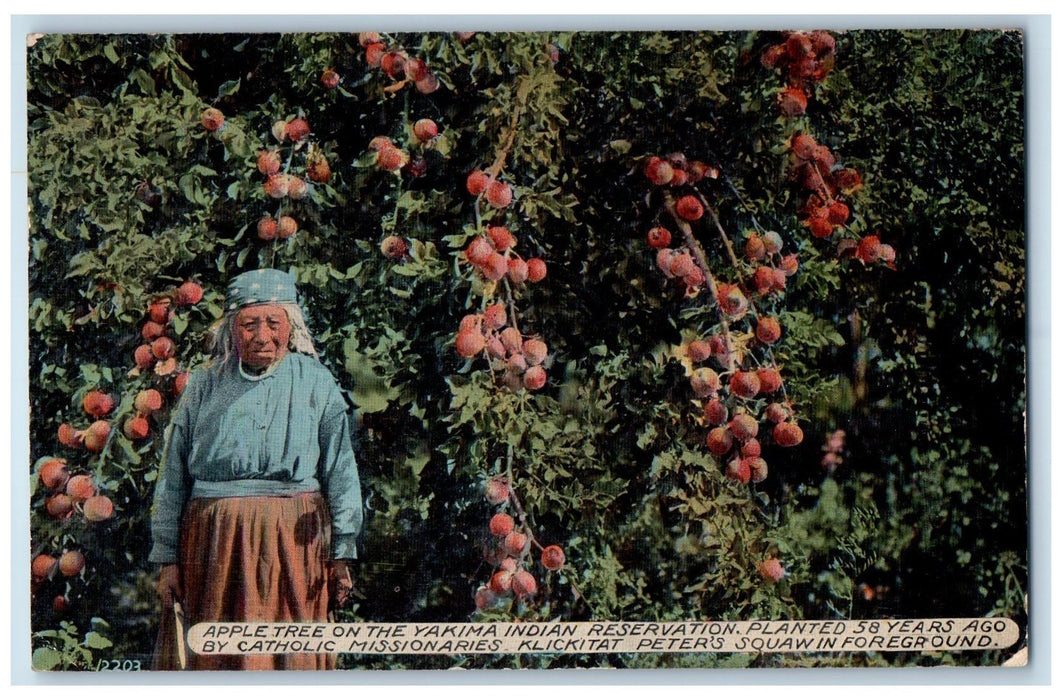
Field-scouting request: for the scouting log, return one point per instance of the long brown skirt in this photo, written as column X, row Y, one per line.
column 255, row 559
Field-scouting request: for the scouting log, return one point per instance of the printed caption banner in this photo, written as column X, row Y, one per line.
column 956, row 634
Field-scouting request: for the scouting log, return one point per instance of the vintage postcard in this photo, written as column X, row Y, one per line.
column 578, row 349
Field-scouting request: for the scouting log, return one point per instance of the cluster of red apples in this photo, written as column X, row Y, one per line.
column 47, row 566
column 392, row 158
column 520, row 359
column 814, row 167
column 675, row 171
column 493, row 255
column 509, row 552
column 735, row 438
column 833, row 450
column 805, row 58
column 397, row 64
column 283, row 185
column 158, row 351
column 156, row 354
column 72, row 492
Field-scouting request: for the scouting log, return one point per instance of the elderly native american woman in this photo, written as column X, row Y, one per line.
column 259, row 502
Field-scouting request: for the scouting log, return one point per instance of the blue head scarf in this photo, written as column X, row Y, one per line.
column 261, row 287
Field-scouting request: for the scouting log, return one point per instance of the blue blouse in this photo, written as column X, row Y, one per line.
column 284, row 434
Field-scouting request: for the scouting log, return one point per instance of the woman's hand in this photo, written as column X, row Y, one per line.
column 342, row 583
column 169, row 585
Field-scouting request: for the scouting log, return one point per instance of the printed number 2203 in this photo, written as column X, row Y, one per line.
column 118, row 665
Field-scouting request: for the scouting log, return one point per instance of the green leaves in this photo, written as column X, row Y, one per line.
column 61, row 649
column 46, row 659
column 94, row 640
column 372, row 372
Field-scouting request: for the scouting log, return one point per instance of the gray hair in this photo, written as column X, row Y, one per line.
column 223, row 345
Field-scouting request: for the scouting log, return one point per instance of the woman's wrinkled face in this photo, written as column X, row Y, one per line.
column 262, row 335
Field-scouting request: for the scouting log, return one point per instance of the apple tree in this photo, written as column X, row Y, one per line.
column 637, row 325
